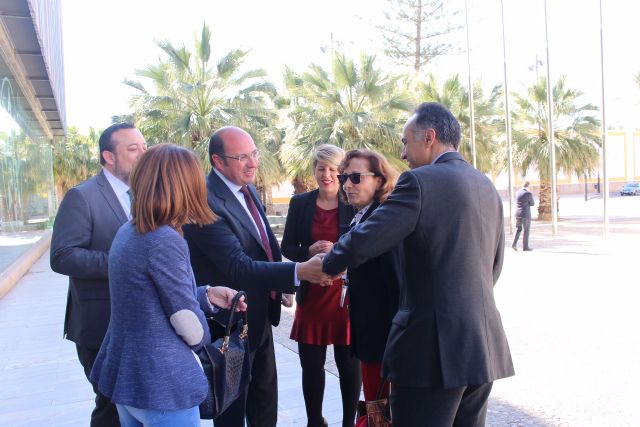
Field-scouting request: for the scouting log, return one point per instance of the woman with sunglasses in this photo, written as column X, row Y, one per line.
column 367, row 178
column 146, row 364
column 315, row 220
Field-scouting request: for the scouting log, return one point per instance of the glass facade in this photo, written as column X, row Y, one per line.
column 27, row 190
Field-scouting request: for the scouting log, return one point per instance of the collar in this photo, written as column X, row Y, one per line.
column 118, row 186
column 358, row 216
column 235, row 188
column 440, row 155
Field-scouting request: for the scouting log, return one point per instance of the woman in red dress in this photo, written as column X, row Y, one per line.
column 315, row 221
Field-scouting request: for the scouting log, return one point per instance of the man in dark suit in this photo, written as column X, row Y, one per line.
column 87, row 221
column 240, row 251
column 524, row 201
column 447, row 344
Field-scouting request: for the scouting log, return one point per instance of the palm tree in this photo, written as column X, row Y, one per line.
column 75, row 159
column 190, row 97
column 353, row 106
column 488, row 123
column 576, row 132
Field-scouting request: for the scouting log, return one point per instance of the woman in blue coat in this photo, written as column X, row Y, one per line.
column 146, row 364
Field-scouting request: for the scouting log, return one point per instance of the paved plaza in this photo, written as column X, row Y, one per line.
column 569, row 309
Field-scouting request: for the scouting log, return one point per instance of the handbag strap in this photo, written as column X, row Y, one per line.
column 383, row 384
column 232, row 313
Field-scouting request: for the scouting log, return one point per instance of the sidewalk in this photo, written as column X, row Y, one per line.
column 42, row 382
column 569, row 309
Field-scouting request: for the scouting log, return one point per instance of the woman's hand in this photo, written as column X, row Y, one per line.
column 221, row 296
column 320, row 247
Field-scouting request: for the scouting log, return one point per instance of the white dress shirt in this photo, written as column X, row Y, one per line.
column 121, row 189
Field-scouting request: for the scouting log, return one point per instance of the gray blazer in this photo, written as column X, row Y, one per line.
column 447, row 332
column 87, row 221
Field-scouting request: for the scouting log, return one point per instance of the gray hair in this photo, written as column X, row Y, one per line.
column 437, row 117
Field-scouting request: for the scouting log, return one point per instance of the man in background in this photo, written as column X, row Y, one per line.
column 524, row 201
column 87, row 221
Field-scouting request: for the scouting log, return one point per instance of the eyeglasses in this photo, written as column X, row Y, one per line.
column 244, row 158
column 354, row 177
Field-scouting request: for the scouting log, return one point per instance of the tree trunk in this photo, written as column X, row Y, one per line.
column 544, row 207
column 299, row 185
column 418, row 36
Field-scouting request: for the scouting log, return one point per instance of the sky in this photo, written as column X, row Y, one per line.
column 104, row 42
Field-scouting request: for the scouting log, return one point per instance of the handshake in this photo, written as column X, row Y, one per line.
column 311, row 271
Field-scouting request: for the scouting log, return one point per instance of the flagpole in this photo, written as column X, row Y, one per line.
column 472, row 122
column 550, row 135
column 605, row 195
column 507, row 122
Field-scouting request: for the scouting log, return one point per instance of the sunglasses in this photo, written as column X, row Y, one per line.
column 354, row 177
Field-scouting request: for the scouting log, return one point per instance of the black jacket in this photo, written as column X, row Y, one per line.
column 374, row 287
column 297, row 231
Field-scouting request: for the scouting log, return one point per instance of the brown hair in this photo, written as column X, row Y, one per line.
column 379, row 165
column 168, row 188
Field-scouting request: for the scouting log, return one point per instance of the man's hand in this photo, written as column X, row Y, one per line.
column 221, row 296
column 311, row 270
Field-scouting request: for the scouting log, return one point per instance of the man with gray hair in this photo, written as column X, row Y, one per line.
column 447, row 344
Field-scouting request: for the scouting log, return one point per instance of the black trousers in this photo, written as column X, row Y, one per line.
column 260, row 403
column 312, row 360
column 522, row 224
column 105, row 413
column 437, row 407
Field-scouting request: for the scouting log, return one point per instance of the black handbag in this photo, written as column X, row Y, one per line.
column 226, row 362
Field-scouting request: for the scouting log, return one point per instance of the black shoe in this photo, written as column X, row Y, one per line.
column 514, row 248
column 323, row 423
column 527, row 249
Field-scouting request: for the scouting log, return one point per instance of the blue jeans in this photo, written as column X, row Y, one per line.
column 135, row 417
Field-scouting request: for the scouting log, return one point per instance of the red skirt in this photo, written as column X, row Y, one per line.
column 319, row 319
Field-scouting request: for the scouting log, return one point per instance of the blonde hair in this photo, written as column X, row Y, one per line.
column 168, row 188
column 328, row 153
column 379, row 165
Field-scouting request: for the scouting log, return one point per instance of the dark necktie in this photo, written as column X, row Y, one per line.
column 263, row 234
column 256, row 218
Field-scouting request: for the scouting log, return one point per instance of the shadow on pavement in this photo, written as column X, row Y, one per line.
column 499, row 414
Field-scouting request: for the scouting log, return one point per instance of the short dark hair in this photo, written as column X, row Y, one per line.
column 526, row 184
column 105, row 143
column 435, row 116
column 216, row 145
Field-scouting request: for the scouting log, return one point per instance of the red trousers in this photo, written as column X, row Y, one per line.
column 371, row 378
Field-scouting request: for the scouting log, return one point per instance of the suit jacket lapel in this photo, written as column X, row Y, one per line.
column 308, row 213
column 218, row 188
column 273, row 242
column 345, row 215
column 369, row 211
column 110, row 197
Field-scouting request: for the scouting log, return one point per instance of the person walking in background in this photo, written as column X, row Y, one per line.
column 524, row 201
column 240, row 250
column 146, row 365
column 447, row 344
column 367, row 178
column 314, row 221
column 87, row 221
